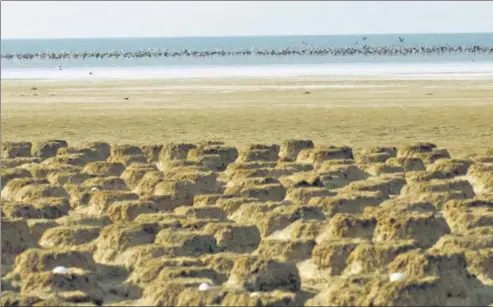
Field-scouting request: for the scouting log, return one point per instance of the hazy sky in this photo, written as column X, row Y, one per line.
column 45, row 19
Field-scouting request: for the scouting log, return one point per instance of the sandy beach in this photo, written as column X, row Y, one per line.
column 256, row 192
column 358, row 113
column 258, row 153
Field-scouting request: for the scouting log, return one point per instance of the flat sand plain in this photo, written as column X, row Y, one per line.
column 359, row 113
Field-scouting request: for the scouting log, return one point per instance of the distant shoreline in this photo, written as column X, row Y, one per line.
column 354, row 71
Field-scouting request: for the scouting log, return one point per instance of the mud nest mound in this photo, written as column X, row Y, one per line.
column 210, row 224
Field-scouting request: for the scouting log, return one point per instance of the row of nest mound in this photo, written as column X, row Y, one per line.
column 264, row 225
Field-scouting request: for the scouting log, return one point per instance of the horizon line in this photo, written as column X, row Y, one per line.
column 243, row 35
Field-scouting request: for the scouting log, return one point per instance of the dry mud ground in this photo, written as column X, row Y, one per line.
column 298, row 223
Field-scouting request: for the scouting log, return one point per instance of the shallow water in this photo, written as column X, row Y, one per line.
column 243, row 43
column 445, row 66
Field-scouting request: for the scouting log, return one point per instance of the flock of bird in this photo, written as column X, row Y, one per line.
column 307, row 50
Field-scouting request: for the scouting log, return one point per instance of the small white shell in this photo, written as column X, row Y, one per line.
column 93, row 189
column 253, row 294
column 397, row 277
column 60, row 270
column 204, row 286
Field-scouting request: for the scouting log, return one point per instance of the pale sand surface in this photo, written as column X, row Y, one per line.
column 132, row 241
column 457, row 115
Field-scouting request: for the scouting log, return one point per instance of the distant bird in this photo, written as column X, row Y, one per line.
column 59, row 67
column 364, row 38
column 401, row 39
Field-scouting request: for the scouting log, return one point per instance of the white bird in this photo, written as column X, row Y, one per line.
column 204, row 286
column 60, row 270
column 394, row 277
